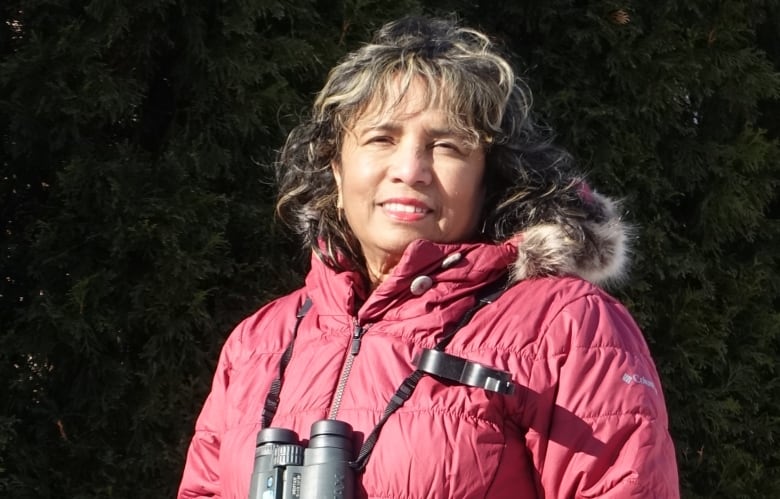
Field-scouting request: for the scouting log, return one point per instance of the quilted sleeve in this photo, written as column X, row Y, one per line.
column 596, row 413
column 201, row 475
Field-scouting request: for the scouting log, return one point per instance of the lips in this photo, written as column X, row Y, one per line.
column 407, row 210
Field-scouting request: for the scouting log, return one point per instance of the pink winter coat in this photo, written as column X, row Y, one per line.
column 588, row 419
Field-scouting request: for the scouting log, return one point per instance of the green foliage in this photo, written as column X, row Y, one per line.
column 137, row 209
column 136, row 214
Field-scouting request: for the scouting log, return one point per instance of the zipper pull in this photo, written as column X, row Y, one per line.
column 357, row 334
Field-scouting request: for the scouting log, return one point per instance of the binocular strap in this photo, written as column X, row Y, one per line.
column 487, row 296
column 272, row 399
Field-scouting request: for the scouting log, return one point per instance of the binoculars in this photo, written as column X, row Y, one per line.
column 285, row 469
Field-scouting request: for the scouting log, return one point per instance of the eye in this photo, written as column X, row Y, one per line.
column 379, row 139
column 448, row 146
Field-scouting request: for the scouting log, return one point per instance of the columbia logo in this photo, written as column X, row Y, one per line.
column 640, row 380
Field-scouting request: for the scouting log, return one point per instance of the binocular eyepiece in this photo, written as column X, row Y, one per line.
column 285, row 469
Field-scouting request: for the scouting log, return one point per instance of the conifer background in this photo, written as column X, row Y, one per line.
column 137, row 218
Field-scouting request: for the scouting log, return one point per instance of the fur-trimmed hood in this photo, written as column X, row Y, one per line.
column 600, row 256
column 590, row 244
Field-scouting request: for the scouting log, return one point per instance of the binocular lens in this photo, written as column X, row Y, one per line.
column 285, row 469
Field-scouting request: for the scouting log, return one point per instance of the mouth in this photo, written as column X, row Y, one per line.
column 405, row 207
column 405, row 210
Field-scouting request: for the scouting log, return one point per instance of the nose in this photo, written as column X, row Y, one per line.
column 412, row 164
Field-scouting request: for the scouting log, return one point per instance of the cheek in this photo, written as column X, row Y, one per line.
column 360, row 180
column 468, row 187
column 469, row 199
column 357, row 193
column 353, row 187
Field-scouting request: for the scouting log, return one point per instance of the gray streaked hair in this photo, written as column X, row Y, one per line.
column 527, row 179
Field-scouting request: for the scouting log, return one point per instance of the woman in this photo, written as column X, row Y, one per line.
column 425, row 192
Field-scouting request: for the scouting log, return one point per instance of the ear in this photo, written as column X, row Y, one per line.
column 336, row 168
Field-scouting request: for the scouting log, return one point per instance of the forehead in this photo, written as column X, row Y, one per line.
column 397, row 100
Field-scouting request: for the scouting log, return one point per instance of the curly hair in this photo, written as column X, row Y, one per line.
column 528, row 180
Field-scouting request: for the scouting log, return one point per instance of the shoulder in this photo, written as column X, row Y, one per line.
column 569, row 313
column 268, row 329
column 558, row 292
column 587, row 345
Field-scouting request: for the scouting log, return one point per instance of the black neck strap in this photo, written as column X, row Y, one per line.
column 272, row 399
column 404, row 392
column 486, row 296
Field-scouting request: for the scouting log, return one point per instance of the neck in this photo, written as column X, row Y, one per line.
column 378, row 271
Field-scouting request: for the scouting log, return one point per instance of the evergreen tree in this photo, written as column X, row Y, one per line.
column 136, row 216
column 137, row 209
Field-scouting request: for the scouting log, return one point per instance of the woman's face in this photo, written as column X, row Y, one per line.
column 405, row 174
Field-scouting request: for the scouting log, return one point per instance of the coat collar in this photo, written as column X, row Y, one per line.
column 593, row 248
column 436, row 273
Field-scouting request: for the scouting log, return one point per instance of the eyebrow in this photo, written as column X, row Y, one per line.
column 387, row 126
column 397, row 126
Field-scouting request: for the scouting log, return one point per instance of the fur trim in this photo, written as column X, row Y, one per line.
column 601, row 256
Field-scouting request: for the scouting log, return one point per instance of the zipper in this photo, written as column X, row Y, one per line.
column 357, row 335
